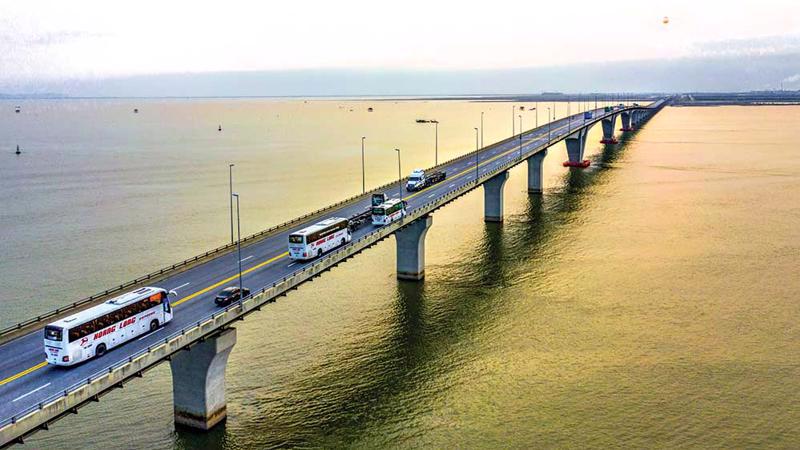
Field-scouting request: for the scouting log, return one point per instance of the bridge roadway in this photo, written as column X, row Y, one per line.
column 26, row 380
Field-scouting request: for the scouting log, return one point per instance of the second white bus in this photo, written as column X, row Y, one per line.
column 313, row 241
column 388, row 211
column 96, row 330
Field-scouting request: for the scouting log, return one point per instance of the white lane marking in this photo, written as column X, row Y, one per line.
column 149, row 334
column 31, row 392
column 183, row 285
column 452, row 185
column 245, row 259
column 431, row 195
column 290, row 265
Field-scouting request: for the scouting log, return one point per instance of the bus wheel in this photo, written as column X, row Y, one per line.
column 343, row 242
column 319, row 253
column 154, row 325
column 101, row 350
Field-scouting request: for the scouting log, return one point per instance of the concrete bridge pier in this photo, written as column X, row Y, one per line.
column 536, row 172
column 198, row 381
column 576, row 146
column 493, row 197
column 608, row 130
column 626, row 121
column 411, row 249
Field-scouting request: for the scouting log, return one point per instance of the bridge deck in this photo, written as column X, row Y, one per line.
column 26, row 381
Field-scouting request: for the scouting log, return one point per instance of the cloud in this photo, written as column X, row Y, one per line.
column 62, row 37
column 27, row 41
column 792, row 79
column 768, row 45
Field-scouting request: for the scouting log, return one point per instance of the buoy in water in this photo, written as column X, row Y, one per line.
column 136, row 110
column 220, row 128
column 18, row 152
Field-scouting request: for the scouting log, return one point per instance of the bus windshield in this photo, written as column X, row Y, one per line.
column 296, row 238
column 52, row 333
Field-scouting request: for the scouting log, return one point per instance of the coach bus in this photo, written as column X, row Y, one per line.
column 388, row 211
column 319, row 238
column 96, row 330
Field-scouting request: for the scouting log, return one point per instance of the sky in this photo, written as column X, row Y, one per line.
column 78, row 45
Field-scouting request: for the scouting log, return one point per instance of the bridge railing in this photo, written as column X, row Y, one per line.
column 13, row 331
column 281, row 286
column 178, row 267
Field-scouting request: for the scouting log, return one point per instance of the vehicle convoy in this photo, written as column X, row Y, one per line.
column 388, row 211
column 229, row 295
column 94, row 331
column 313, row 241
column 419, row 179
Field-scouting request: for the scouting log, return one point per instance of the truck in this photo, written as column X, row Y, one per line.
column 357, row 220
column 588, row 115
column 419, row 179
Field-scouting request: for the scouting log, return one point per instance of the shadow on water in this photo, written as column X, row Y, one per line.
column 381, row 379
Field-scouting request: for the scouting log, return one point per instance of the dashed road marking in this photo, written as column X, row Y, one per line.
column 31, row 392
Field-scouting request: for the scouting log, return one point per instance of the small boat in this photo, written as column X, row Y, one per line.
column 422, row 121
column 136, row 110
column 220, row 128
column 369, row 109
column 17, row 109
column 18, row 152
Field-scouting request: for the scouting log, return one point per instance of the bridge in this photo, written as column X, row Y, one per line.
column 199, row 339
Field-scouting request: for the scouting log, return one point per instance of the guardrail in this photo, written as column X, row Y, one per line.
column 113, row 375
column 14, row 331
column 177, row 267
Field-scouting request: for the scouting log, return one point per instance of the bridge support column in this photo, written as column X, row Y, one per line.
column 576, row 145
column 626, row 121
column 411, row 249
column 493, row 197
column 198, row 381
column 608, row 130
column 536, row 172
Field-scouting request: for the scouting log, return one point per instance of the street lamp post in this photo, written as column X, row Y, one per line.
column 569, row 118
column 239, row 242
column 436, row 146
column 399, row 175
column 536, row 108
column 363, row 168
column 549, row 124
column 520, row 136
column 476, row 155
column 481, row 129
column 513, row 132
column 230, row 191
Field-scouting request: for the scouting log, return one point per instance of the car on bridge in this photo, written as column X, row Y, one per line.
column 229, row 295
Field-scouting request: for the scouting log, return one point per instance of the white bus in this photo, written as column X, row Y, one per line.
column 96, row 330
column 319, row 238
column 389, row 211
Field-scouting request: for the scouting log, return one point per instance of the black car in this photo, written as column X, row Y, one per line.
column 229, row 295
